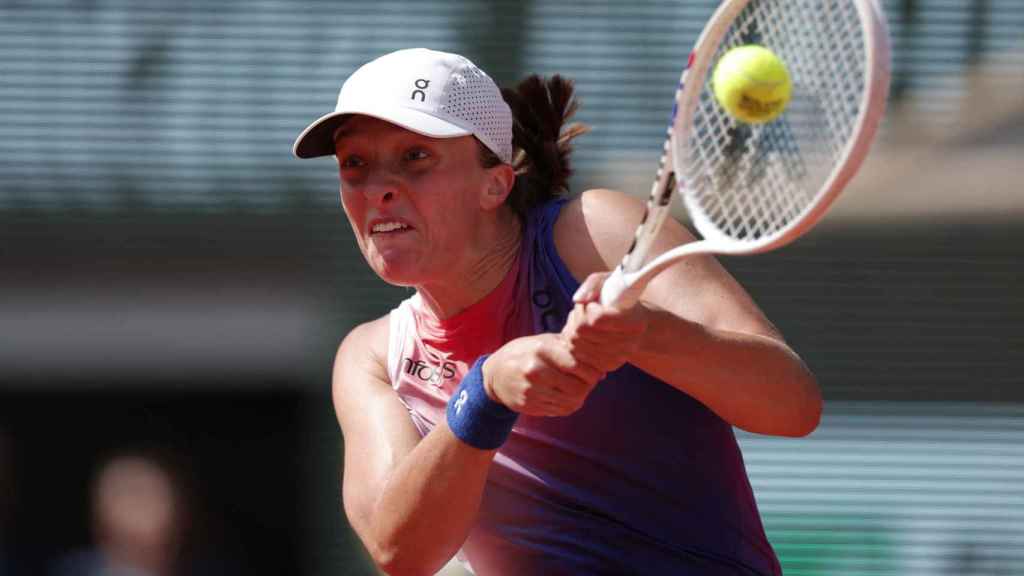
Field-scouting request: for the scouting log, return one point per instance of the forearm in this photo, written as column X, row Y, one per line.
column 754, row 382
column 427, row 505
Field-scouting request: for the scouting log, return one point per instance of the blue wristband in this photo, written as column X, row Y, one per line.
column 476, row 419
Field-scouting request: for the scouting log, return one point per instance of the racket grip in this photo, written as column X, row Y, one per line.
column 618, row 291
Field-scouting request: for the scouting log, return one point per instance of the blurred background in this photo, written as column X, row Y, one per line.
column 173, row 284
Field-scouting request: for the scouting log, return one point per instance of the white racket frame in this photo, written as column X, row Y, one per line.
column 625, row 284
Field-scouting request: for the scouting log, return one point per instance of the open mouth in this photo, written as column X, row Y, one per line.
column 388, row 227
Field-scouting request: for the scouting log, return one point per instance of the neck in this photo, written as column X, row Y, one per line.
column 483, row 272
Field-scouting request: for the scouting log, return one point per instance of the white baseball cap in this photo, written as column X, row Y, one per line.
column 433, row 93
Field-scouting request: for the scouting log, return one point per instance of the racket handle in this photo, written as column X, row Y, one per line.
column 619, row 291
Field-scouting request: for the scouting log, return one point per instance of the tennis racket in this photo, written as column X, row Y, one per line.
column 752, row 188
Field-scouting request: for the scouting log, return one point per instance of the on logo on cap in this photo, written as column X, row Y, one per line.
column 421, row 85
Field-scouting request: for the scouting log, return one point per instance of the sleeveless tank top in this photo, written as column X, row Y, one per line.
column 642, row 479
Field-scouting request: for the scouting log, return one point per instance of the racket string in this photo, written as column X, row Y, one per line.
column 750, row 182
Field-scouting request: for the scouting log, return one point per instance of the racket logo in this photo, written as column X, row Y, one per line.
column 421, row 85
column 463, row 398
column 666, row 195
column 679, row 90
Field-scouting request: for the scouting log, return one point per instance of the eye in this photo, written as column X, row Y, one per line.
column 351, row 161
column 414, row 154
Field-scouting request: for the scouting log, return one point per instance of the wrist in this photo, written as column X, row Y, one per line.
column 487, row 383
column 474, row 417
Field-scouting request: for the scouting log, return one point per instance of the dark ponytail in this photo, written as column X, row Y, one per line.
column 541, row 139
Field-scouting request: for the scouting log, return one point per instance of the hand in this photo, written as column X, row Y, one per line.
column 538, row 376
column 603, row 337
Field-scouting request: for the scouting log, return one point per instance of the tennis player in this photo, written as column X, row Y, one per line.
column 501, row 411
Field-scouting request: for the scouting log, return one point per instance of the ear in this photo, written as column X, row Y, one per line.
column 500, row 180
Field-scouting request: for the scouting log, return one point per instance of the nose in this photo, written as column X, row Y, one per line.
column 381, row 189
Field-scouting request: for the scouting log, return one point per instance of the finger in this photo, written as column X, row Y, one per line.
column 572, row 323
column 563, row 405
column 578, row 377
column 598, row 330
column 609, row 319
column 602, row 349
column 587, row 341
column 539, row 395
column 573, row 376
column 554, row 402
column 604, row 359
column 555, row 367
column 592, row 320
column 590, row 290
column 558, row 408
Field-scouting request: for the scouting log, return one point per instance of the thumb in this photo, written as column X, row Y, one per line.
column 590, row 290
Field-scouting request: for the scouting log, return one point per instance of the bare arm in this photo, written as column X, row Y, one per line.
column 411, row 501
column 700, row 331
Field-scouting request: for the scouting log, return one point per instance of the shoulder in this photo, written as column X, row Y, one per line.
column 370, row 337
column 595, row 229
column 362, row 356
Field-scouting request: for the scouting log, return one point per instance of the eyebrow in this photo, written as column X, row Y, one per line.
column 339, row 133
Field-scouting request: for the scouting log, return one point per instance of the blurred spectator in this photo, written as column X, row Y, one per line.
column 139, row 519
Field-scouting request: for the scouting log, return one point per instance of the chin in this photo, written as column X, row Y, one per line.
column 400, row 282
column 397, row 273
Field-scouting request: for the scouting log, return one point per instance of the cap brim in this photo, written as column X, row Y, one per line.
column 318, row 138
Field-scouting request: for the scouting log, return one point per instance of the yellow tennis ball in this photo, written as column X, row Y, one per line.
column 752, row 84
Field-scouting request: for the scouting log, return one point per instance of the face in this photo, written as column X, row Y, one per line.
column 413, row 201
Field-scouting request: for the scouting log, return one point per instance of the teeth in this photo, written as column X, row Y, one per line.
column 389, row 227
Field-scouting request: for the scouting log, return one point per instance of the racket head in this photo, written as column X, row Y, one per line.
column 752, row 188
